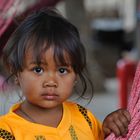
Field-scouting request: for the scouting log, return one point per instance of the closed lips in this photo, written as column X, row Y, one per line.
column 49, row 96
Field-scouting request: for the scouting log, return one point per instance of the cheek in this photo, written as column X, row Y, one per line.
column 71, row 82
column 68, row 84
column 27, row 84
column 70, row 79
column 25, row 87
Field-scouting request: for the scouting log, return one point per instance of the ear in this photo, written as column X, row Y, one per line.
column 75, row 81
column 16, row 80
column 10, row 68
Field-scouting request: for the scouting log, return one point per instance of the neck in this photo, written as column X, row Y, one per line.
column 29, row 107
column 50, row 117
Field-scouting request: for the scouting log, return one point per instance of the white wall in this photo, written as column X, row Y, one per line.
column 125, row 8
column 100, row 4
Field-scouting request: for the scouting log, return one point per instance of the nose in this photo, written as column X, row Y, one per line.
column 50, row 80
column 49, row 84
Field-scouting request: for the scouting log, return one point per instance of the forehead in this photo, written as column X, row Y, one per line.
column 46, row 55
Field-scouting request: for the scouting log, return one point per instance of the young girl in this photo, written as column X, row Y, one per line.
column 46, row 58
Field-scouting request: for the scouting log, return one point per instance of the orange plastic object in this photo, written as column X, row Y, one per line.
column 125, row 74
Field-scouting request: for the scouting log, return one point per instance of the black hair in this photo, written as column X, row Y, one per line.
column 46, row 27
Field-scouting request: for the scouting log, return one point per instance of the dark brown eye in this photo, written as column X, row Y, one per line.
column 38, row 70
column 63, row 71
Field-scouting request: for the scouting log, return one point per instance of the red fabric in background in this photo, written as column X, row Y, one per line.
column 7, row 26
column 4, row 21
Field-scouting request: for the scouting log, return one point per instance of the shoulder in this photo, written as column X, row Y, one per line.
column 5, row 131
column 3, row 121
column 80, row 108
column 84, row 112
column 76, row 106
column 7, row 120
column 85, row 115
column 85, row 118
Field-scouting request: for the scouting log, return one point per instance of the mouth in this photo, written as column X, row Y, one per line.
column 48, row 96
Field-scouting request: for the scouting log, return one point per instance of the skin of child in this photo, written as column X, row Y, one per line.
column 46, row 87
column 46, row 79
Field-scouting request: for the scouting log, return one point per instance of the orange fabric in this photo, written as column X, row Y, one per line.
column 73, row 126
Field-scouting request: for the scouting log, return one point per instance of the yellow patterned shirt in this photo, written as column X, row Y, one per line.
column 77, row 124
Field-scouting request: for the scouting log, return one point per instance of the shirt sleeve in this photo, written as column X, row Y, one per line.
column 96, row 127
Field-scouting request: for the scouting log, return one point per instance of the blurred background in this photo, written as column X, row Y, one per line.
column 110, row 32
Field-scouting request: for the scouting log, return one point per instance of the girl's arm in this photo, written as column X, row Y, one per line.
column 117, row 122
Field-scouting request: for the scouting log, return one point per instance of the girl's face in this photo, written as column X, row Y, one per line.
column 46, row 85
